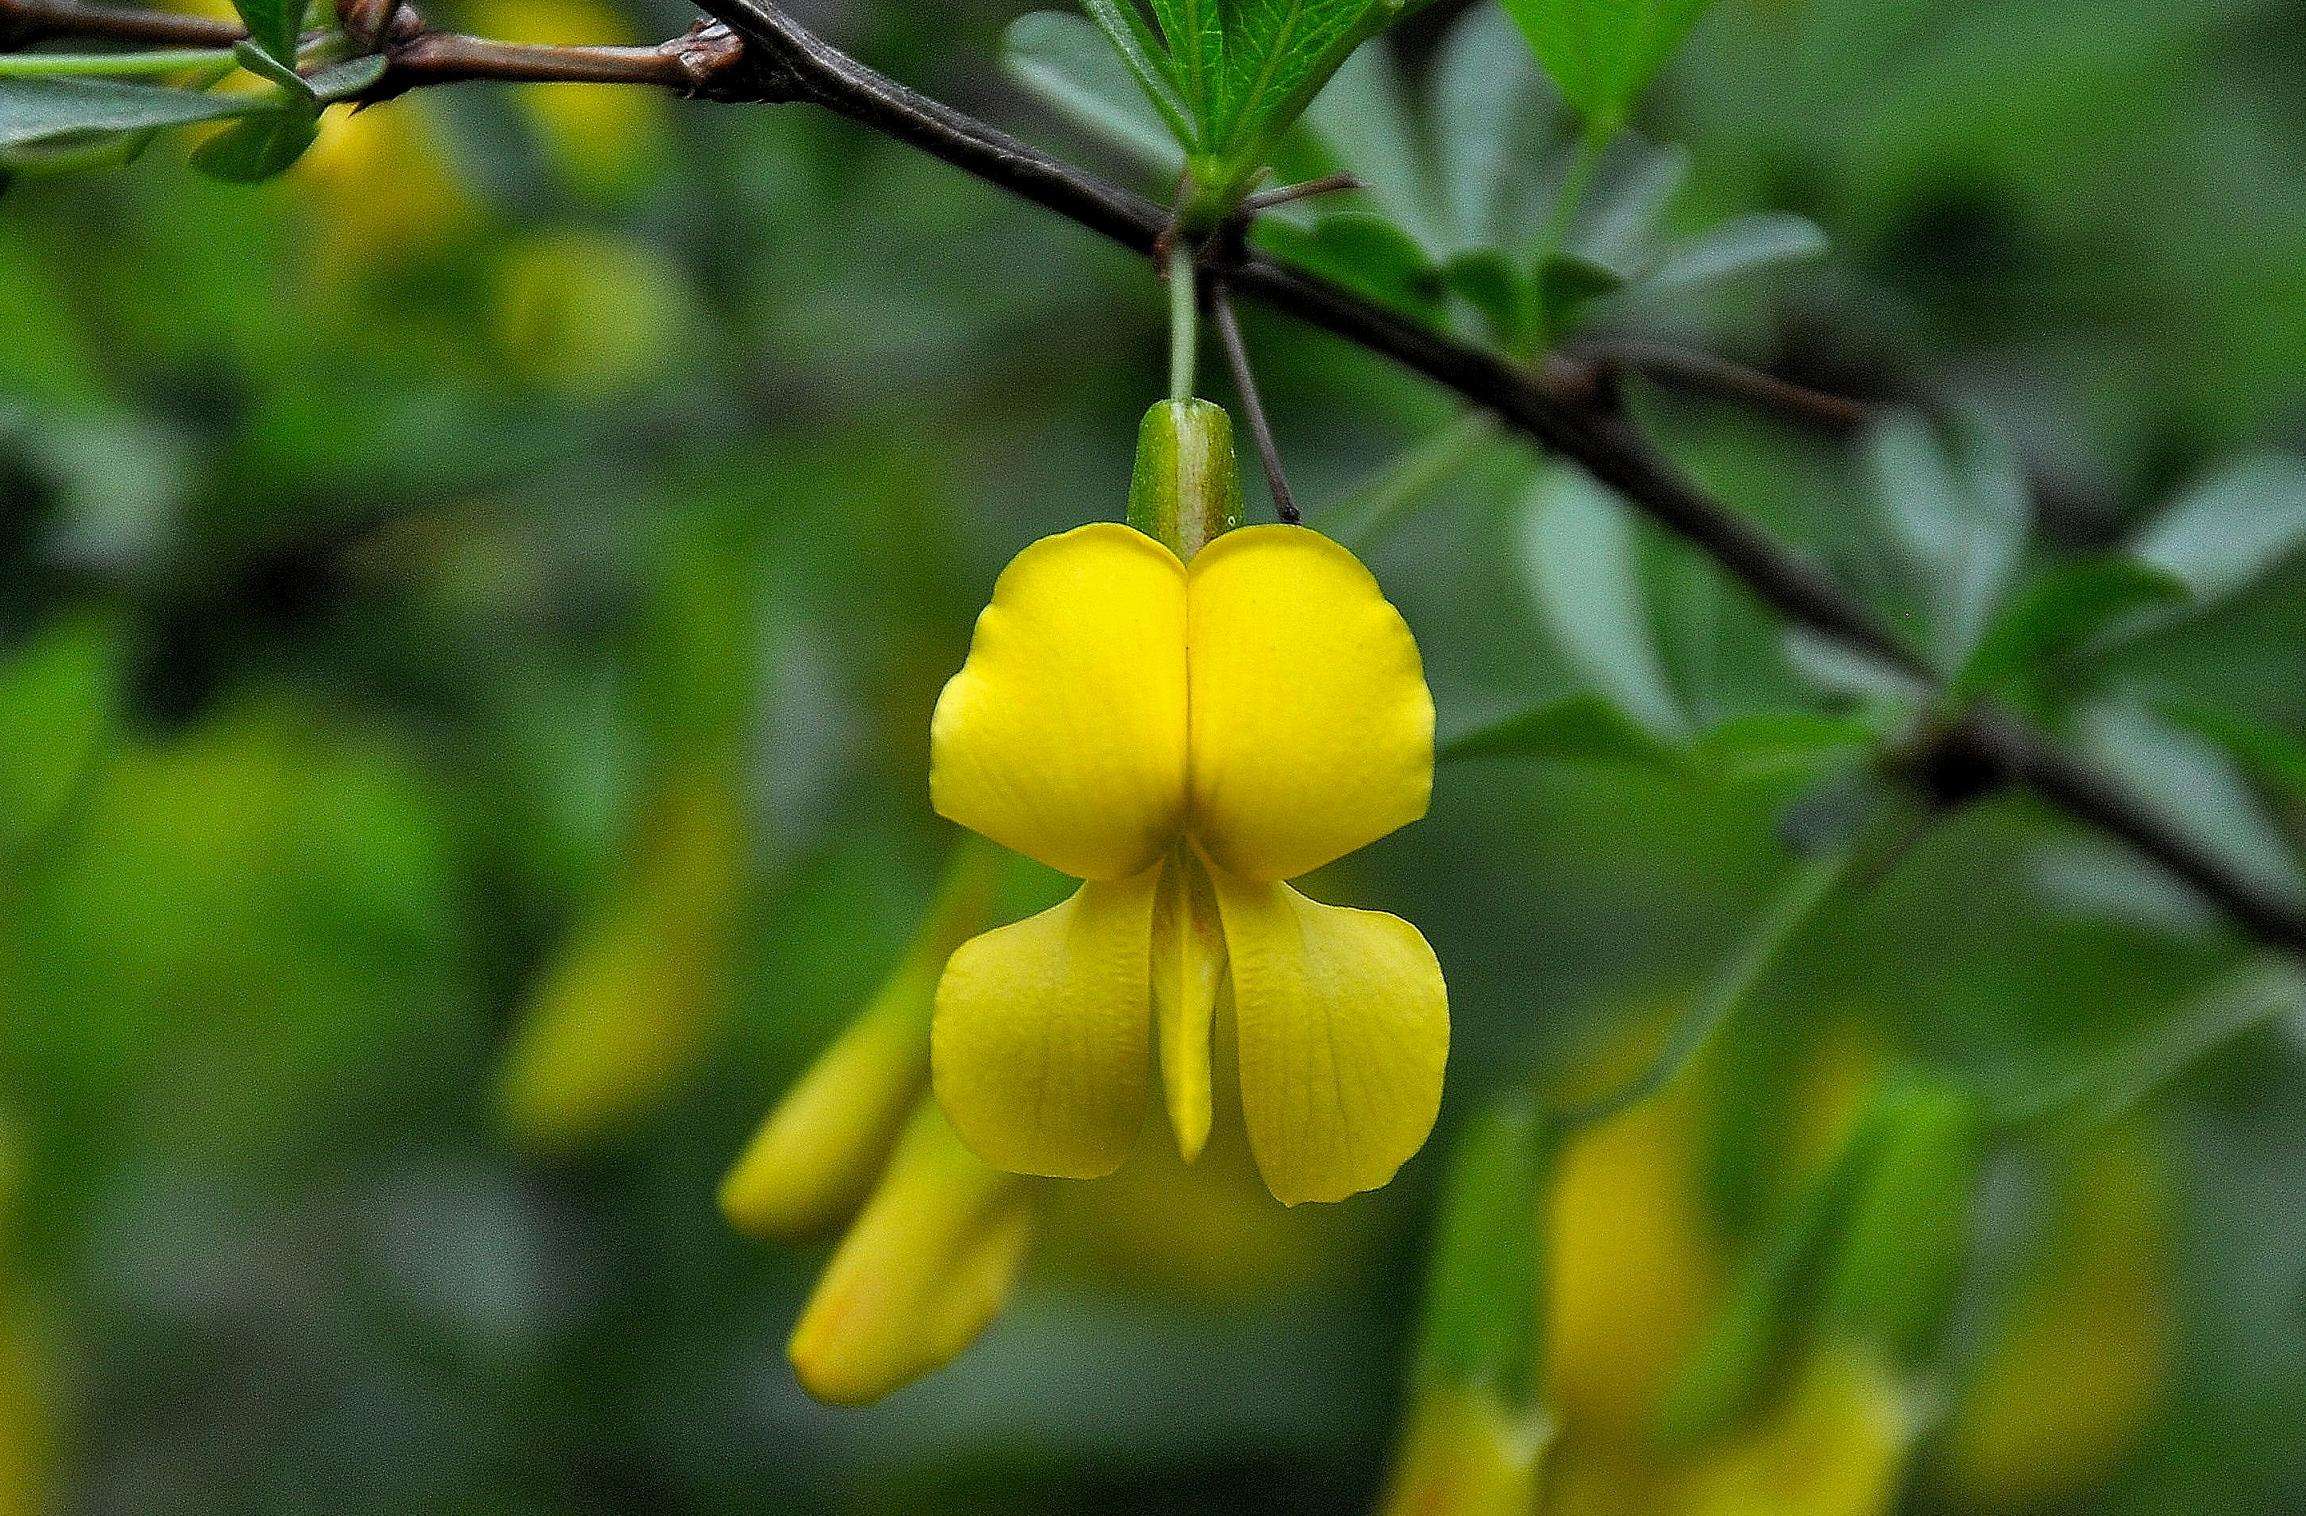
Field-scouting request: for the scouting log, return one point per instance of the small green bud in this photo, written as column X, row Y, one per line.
column 1186, row 490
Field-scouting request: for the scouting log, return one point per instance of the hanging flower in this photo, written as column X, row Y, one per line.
column 1184, row 740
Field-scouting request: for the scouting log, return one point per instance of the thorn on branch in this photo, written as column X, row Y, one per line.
column 1252, row 404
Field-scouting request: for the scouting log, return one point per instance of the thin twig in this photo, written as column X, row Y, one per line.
column 1252, row 405
column 1560, row 406
column 1716, row 378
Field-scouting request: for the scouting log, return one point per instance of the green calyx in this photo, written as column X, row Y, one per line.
column 1186, row 489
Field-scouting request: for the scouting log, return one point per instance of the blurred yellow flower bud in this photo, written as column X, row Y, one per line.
column 1833, row 1445
column 1465, row 1452
column 1635, row 1267
column 818, row 1151
column 26, row 1436
column 27, row 1430
column 642, row 985
column 2068, row 1386
column 587, row 313
column 382, row 186
column 921, row 1274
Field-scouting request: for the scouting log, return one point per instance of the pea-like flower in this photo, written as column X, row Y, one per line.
column 1185, row 740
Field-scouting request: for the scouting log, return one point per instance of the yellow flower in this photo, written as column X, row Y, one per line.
column 924, row 1271
column 1184, row 740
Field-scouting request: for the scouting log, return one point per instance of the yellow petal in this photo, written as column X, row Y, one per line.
column 1344, row 1031
column 1063, row 736
column 926, row 1268
column 1039, row 1048
column 1188, row 969
column 1312, row 725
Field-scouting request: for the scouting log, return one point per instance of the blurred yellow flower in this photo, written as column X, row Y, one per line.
column 382, row 186
column 1635, row 1270
column 1833, row 1444
column 2070, row 1382
column 922, row 1273
column 1069, row 736
column 589, row 313
column 628, row 1006
column 1466, row 1453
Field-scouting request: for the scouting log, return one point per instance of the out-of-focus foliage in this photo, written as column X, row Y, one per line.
column 380, row 539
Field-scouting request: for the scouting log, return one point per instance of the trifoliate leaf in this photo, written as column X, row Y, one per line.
column 1737, row 246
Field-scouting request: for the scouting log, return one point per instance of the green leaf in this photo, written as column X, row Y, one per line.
column 1738, row 246
column 1490, row 282
column 1906, row 1239
column 1581, row 555
column 1481, row 1328
column 1195, row 31
column 1567, row 284
column 2276, row 758
column 1616, row 223
column 1364, row 122
column 2061, row 611
column 258, row 148
column 1764, row 744
column 1960, row 509
column 1577, row 728
column 1497, row 107
column 283, row 76
column 1278, row 55
column 342, row 81
column 2193, row 783
column 41, row 110
column 1064, row 61
column 1770, row 1304
column 59, row 700
column 1835, row 668
column 1603, row 53
column 2233, row 529
column 1364, row 252
column 273, row 25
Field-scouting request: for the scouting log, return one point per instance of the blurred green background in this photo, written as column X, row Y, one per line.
column 382, row 546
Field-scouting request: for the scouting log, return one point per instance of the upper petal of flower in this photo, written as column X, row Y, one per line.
column 1344, row 1032
column 1312, row 726
column 1063, row 735
column 1040, row 1044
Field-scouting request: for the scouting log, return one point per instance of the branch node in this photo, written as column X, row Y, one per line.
column 379, row 26
column 719, row 66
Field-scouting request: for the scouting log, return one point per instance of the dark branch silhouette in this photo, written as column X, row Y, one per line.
column 761, row 54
